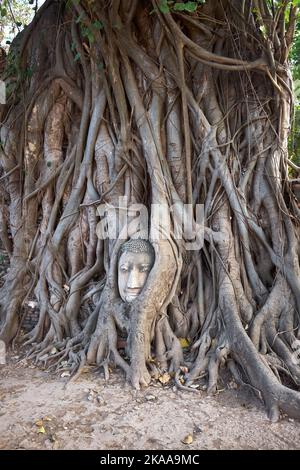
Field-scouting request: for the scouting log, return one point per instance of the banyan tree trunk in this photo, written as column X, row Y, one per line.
column 161, row 105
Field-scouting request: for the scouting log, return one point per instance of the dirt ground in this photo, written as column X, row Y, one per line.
column 39, row 411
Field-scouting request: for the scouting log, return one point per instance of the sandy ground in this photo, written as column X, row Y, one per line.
column 38, row 411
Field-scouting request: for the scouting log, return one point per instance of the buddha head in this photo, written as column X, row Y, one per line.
column 136, row 258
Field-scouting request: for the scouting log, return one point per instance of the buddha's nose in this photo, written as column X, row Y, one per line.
column 134, row 280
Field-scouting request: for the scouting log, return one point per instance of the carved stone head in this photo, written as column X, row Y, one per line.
column 136, row 258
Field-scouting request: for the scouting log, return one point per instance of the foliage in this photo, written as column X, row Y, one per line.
column 165, row 6
column 14, row 16
column 294, row 140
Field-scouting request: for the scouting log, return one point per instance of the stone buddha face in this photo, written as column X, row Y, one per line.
column 136, row 259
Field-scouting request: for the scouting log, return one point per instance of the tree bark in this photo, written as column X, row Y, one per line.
column 169, row 107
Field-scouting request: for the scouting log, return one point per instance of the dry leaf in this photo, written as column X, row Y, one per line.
column 152, row 360
column 165, row 378
column 39, row 423
column 155, row 375
column 150, row 397
column 184, row 343
column 100, row 400
column 47, row 418
column 53, row 351
column 188, row 439
column 41, row 430
column 65, row 374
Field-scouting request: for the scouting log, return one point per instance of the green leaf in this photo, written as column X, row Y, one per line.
column 72, row 2
column 87, row 33
column 3, row 12
column 91, row 37
column 188, row 6
column 97, row 25
column 179, row 7
column 28, row 72
column 163, row 6
column 77, row 57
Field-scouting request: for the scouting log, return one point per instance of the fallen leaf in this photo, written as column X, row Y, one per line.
column 155, row 375
column 165, row 378
column 39, row 423
column 152, row 360
column 150, row 397
column 232, row 385
column 53, row 351
column 184, row 343
column 41, row 430
column 188, row 439
column 65, row 374
column 47, row 418
column 101, row 400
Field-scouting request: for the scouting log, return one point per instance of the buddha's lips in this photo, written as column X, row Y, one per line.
column 133, row 292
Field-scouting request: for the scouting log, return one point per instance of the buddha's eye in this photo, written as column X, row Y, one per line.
column 144, row 269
